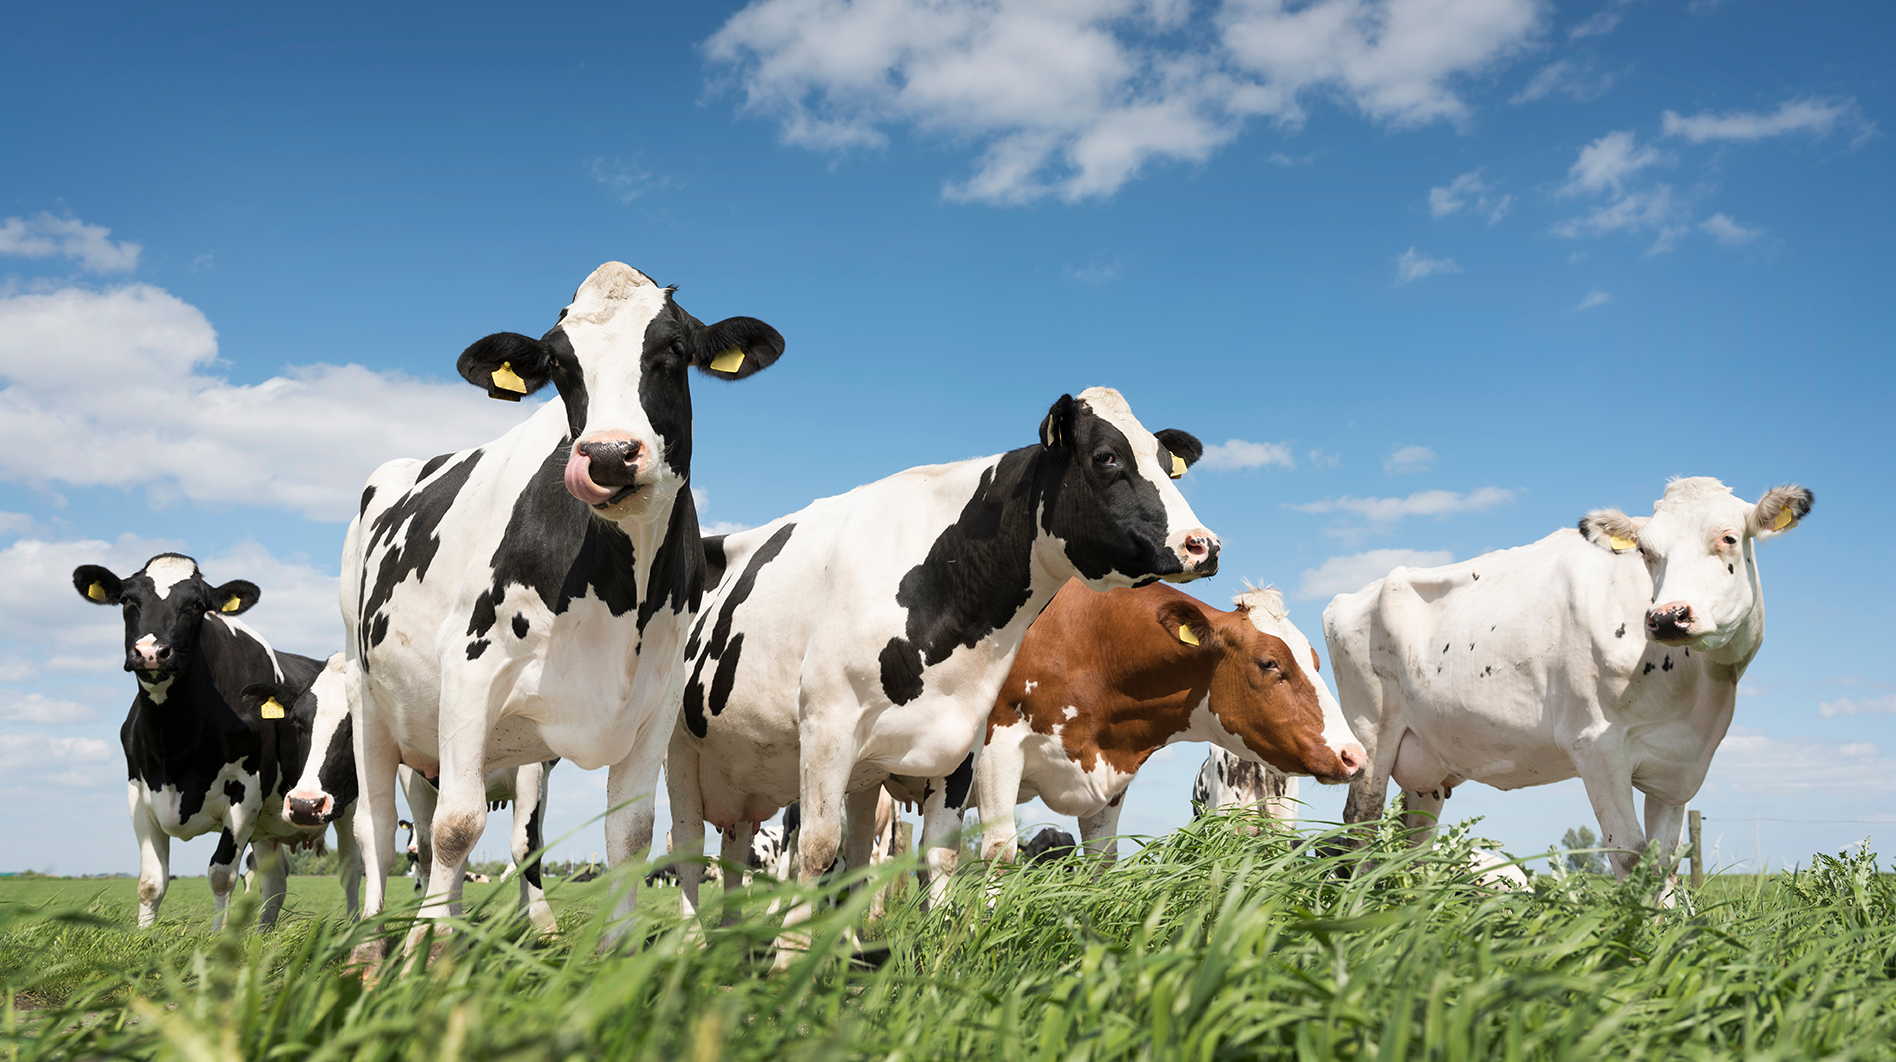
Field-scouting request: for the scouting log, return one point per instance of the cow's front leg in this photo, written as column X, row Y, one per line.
column 824, row 775
column 1610, row 791
column 223, row 872
column 630, row 787
column 997, row 788
column 530, row 782
column 1099, row 833
column 460, row 816
column 273, row 869
column 1421, row 811
column 1663, row 824
column 859, row 810
column 154, row 860
column 349, row 861
column 686, row 789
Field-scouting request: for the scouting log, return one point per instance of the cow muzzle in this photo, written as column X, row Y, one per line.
column 306, row 809
column 150, row 656
column 1198, row 553
column 1672, row 623
column 604, row 472
column 1346, row 765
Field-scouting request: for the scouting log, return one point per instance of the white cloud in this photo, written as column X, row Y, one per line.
column 1409, row 459
column 1073, row 99
column 1345, row 574
column 1817, row 116
column 17, row 707
column 1574, row 78
column 1865, row 706
column 1411, row 265
column 70, row 761
column 1319, row 459
column 15, row 523
column 47, row 235
column 112, row 388
column 1236, row 453
column 1801, row 765
column 1601, row 24
column 1605, row 164
column 1653, row 208
column 1594, row 298
column 1728, row 232
column 1464, row 190
column 1380, row 514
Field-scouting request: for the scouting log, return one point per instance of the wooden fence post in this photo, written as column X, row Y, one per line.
column 1698, row 849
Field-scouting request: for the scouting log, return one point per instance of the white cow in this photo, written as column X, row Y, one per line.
column 1611, row 652
column 529, row 598
column 867, row 635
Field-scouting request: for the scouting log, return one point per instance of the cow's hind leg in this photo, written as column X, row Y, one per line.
column 273, row 869
column 1100, row 834
column 223, row 876
column 154, row 861
column 374, row 816
column 686, row 789
column 349, row 861
column 530, row 783
column 422, row 798
column 734, row 853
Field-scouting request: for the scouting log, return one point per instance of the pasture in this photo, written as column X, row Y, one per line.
column 1205, row 944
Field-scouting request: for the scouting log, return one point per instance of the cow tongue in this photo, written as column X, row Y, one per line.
column 579, row 481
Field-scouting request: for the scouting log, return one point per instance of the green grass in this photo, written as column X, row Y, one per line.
column 1209, row 945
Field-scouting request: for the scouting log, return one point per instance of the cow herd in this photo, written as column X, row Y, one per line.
column 979, row 633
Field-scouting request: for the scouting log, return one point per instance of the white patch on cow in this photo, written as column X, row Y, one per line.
column 159, row 690
column 168, row 571
column 1031, row 684
column 332, row 707
column 1047, row 771
column 608, row 318
column 1071, row 711
column 239, row 627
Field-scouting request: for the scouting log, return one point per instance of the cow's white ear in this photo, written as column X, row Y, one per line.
column 1780, row 509
column 1611, row 530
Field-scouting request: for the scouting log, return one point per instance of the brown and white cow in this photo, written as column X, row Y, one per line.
column 1103, row 681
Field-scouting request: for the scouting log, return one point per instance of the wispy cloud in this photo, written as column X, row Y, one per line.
column 1381, row 515
column 1722, row 228
column 1465, row 190
column 1409, row 459
column 1816, row 116
column 1237, row 453
column 1570, row 77
column 1596, row 297
column 1601, row 24
column 1605, row 164
column 1352, row 572
column 1854, row 706
column 1412, row 265
column 47, row 235
column 17, row 707
column 626, row 181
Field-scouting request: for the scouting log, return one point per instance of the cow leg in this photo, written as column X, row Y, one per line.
column 630, row 786
column 1663, row 824
column 997, row 788
column 682, row 784
column 460, row 817
column 374, row 814
column 530, row 782
column 1421, row 811
column 821, row 787
column 422, row 798
column 1610, row 791
column 1099, row 833
column 273, row 869
column 859, row 811
column 223, row 873
column 154, row 861
column 349, row 861
column 735, row 855
column 944, row 801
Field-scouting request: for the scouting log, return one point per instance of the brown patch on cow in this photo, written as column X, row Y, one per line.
column 1315, row 664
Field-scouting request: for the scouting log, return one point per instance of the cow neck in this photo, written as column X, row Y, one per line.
column 1153, row 704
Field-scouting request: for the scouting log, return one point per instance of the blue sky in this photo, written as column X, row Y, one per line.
column 1432, row 278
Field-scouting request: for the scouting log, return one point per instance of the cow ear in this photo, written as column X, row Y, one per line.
column 1611, row 530
column 1780, row 509
column 235, row 597
column 1184, row 448
column 97, row 585
column 507, row 365
column 735, row 347
column 1056, row 430
column 267, row 700
column 1186, row 623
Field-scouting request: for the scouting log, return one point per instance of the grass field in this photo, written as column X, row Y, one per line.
column 1213, row 944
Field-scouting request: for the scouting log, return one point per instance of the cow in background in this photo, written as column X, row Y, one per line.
column 1226, row 781
column 1612, row 651
column 1103, row 681
column 200, row 755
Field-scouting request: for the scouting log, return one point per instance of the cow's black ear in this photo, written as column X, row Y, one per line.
column 506, row 365
column 267, row 700
column 1186, row 623
column 735, row 347
column 235, row 597
column 1182, row 445
column 97, row 585
column 1056, row 430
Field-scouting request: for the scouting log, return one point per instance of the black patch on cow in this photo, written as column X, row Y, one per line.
column 1111, row 517
column 475, row 648
column 1648, row 668
column 226, row 853
column 531, row 871
column 1667, row 666
column 234, row 791
column 677, row 573
column 725, row 677
column 721, row 642
column 429, row 466
column 957, row 784
column 519, row 625
column 901, row 671
column 368, row 495
column 1621, row 633
column 792, row 819
column 1444, row 648
column 713, row 562
column 416, row 516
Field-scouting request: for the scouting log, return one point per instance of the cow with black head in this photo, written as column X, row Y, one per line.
column 209, row 742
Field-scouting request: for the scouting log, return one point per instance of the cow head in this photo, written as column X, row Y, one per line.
column 1699, row 546
column 318, row 760
column 618, row 358
column 163, row 603
column 1265, row 693
column 1107, row 505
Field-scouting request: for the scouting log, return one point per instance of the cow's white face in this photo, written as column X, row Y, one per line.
column 618, row 358
column 1700, row 547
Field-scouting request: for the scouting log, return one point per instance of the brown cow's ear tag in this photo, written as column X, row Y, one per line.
column 1621, row 545
column 1185, row 635
column 1178, row 467
column 508, row 380
column 729, row 361
column 233, row 604
column 96, row 592
column 271, row 709
column 1785, row 518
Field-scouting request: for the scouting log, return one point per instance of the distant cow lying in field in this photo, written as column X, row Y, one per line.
column 1103, row 681
column 217, row 731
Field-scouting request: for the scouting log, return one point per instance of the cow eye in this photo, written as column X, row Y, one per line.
column 1106, row 459
column 1268, row 665
column 1731, row 540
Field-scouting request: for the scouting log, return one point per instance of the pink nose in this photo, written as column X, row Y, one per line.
column 151, row 656
column 1201, row 551
column 1354, row 759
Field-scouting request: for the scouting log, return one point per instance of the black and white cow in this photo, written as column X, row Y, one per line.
column 1226, row 781
column 530, row 598
column 210, row 741
column 867, row 635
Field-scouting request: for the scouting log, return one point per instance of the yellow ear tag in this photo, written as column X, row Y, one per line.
column 729, row 361
column 96, row 592
column 1621, row 545
column 233, row 604
column 1178, row 467
column 271, row 709
column 1185, row 635
column 508, row 380
column 1784, row 519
